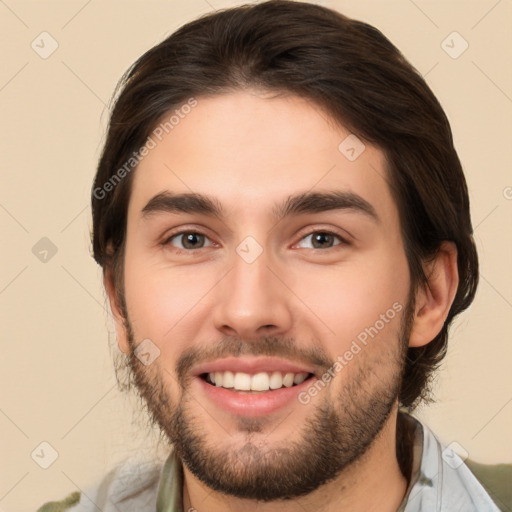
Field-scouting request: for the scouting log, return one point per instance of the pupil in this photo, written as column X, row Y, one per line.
column 321, row 237
column 190, row 239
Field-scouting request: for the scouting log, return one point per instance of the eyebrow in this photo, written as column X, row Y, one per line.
column 307, row 202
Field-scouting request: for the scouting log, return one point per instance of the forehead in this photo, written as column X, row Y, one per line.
column 250, row 151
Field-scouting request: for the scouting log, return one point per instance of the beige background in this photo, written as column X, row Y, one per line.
column 56, row 377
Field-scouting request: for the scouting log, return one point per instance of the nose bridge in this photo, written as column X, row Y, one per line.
column 251, row 297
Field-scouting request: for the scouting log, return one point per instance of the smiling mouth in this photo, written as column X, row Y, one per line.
column 259, row 382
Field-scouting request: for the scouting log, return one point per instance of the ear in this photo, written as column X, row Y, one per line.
column 434, row 299
column 117, row 314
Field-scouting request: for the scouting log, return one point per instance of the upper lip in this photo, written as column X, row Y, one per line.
column 252, row 365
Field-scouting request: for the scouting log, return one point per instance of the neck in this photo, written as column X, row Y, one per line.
column 375, row 482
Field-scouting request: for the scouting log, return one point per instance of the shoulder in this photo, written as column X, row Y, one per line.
column 132, row 485
column 63, row 505
column 445, row 482
column 495, row 478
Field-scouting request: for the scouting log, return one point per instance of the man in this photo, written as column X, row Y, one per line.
column 284, row 230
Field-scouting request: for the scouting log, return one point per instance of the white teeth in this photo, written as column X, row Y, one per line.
column 276, row 380
column 288, row 380
column 259, row 382
column 299, row 378
column 262, row 381
column 228, row 380
column 242, row 381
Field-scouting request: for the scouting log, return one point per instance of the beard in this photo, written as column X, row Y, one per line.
column 337, row 433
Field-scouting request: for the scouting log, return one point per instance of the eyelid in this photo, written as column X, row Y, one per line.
column 342, row 233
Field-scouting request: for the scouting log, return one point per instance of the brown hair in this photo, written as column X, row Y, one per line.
column 344, row 66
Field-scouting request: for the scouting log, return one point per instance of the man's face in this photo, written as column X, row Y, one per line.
column 251, row 293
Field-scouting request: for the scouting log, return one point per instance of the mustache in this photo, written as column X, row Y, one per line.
column 269, row 346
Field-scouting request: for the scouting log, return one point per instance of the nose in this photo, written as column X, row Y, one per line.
column 252, row 300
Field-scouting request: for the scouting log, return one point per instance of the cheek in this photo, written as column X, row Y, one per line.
column 161, row 301
column 348, row 299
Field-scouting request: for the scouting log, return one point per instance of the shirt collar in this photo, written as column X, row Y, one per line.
column 170, row 490
column 417, row 456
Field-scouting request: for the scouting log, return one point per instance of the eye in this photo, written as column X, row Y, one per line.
column 188, row 240
column 324, row 239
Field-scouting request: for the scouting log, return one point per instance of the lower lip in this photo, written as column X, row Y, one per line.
column 253, row 404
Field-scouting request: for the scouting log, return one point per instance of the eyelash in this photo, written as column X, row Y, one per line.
column 167, row 241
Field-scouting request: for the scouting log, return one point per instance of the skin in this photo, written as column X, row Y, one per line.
column 250, row 151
